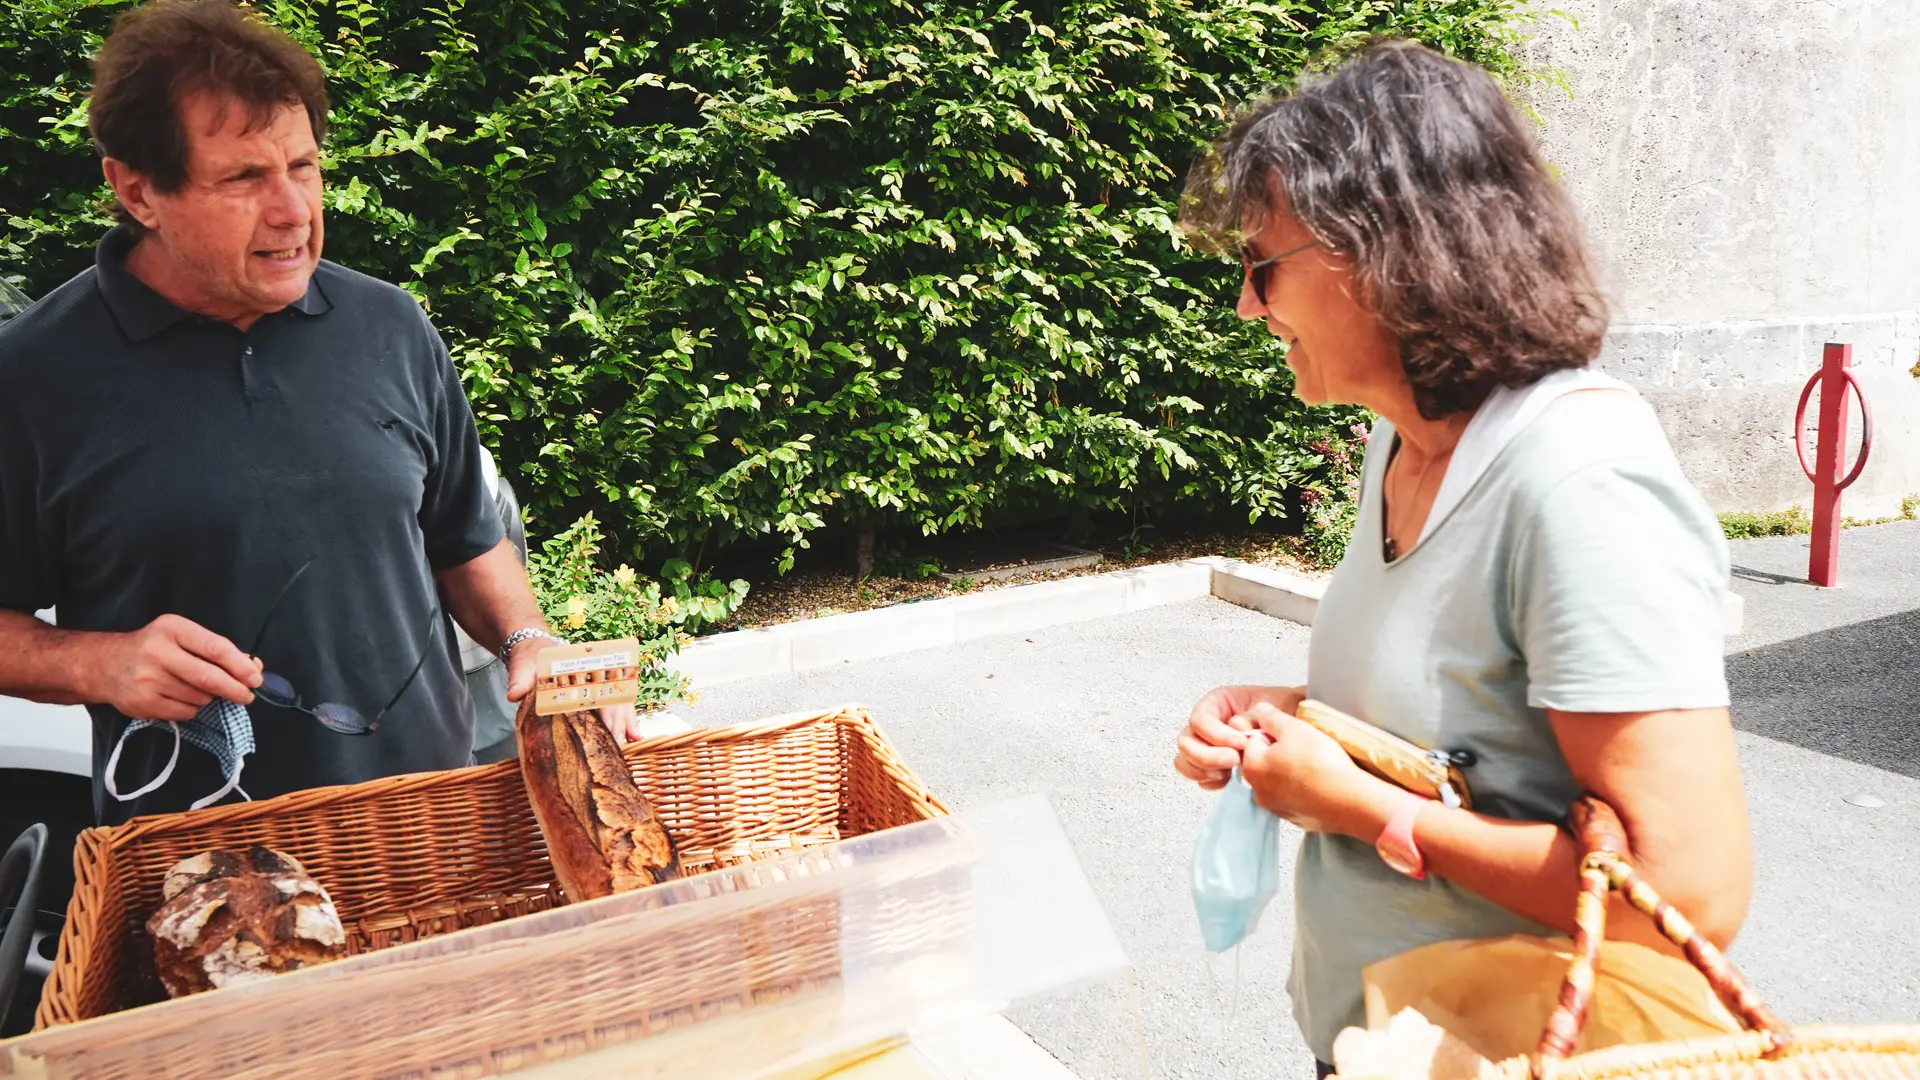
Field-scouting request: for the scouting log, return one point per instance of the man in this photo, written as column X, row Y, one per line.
column 211, row 417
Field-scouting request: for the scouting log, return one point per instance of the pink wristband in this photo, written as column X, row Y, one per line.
column 1396, row 844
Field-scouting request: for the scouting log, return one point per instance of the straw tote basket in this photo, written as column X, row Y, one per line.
column 1768, row 1050
column 410, row 857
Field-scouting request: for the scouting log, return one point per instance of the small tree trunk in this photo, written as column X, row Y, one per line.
column 863, row 551
column 1079, row 525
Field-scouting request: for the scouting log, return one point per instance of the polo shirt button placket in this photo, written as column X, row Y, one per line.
column 249, row 386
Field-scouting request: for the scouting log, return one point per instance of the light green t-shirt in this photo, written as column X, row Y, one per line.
column 1580, row 572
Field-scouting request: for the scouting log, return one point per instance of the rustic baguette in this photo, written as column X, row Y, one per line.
column 602, row 834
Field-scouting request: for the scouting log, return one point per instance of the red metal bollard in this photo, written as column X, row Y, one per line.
column 1834, row 380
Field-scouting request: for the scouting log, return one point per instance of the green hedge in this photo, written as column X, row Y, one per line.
column 723, row 270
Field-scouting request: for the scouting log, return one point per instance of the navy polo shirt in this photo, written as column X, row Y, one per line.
column 153, row 461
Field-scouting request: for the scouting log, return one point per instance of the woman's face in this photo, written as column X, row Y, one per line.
column 1337, row 350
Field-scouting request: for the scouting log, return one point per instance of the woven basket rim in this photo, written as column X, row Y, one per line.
column 113, row 836
column 1678, row 1059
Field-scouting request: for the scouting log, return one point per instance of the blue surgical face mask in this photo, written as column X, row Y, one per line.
column 1236, row 866
column 221, row 728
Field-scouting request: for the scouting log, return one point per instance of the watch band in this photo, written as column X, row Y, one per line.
column 1396, row 844
column 522, row 634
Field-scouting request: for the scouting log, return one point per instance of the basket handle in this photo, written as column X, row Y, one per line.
column 1606, row 866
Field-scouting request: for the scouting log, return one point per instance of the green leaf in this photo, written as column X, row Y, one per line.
column 729, row 279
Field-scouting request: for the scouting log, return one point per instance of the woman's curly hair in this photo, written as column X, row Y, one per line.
column 1417, row 169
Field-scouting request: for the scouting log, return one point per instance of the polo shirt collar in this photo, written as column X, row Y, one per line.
column 314, row 301
column 142, row 313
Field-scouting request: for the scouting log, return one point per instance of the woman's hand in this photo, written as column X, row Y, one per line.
column 1216, row 732
column 1302, row 776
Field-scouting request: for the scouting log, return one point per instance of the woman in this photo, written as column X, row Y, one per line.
column 1531, row 581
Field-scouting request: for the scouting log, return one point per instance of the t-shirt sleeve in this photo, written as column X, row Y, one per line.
column 457, row 516
column 1620, row 586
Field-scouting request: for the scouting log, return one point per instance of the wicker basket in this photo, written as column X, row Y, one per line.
column 1768, row 1050
column 410, row 857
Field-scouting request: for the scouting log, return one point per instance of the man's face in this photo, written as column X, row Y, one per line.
column 242, row 236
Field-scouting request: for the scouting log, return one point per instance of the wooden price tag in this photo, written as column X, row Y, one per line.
column 571, row 678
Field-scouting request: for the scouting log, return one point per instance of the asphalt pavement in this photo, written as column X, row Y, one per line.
column 1824, row 684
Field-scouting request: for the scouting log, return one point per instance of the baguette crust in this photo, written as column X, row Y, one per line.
column 602, row 834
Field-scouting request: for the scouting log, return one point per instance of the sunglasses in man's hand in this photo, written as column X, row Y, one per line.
column 278, row 691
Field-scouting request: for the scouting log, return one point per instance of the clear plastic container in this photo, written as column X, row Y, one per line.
column 764, row 970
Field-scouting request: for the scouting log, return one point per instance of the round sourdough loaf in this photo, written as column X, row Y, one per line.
column 234, row 916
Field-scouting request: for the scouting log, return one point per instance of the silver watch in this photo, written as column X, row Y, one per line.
column 520, row 635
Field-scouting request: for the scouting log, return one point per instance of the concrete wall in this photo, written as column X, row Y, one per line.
column 1749, row 171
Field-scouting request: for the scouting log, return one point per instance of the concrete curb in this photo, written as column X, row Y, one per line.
column 864, row 635
column 1272, row 592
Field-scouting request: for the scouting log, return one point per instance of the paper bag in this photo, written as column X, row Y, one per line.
column 1494, row 995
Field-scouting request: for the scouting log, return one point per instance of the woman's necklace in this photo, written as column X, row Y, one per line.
column 1389, row 549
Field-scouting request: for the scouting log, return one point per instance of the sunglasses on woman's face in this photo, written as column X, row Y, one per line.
column 1258, row 270
column 345, row 719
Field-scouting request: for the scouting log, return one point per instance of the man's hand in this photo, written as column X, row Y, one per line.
column 1216, row 732
column 169, row 669
column 490, row 599
column 521, row 666
column 622, row 720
